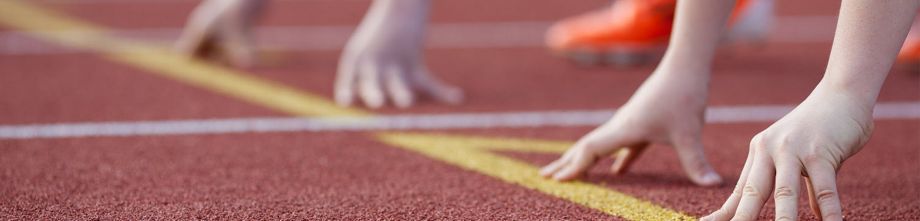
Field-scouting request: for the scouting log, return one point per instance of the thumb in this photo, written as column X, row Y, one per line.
column 693, row 159
column 427, row 84
column 624, row 158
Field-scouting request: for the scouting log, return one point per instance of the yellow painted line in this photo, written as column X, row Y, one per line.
column 230, row 82
column 48, row 25
column 490, row 143
column 471, row 153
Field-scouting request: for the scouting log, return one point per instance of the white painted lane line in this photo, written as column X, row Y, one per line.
column 79, row 2
column 725, row 114
column 521, row 34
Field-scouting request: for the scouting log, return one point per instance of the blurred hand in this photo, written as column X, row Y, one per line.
column 383, row 59
column 221, row 29
column 812, row 141
column 668, row 109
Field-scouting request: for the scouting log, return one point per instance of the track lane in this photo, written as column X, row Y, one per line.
column 314, row 176
column 84, row 87
column 895, row 131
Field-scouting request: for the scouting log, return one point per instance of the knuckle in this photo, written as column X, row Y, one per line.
column 737, row 191
column 812, row 157
column 591, row 144
column 832, row 215
column 595, row 146
column 826, row 195
column 783, row 192
column 585, row 147
column 757, row 141
column 783, row 149
column 787, row 141
column 751, row 191
column 761, row 148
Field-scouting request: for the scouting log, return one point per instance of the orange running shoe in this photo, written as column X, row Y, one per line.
column 625, row 33
column 910, row 52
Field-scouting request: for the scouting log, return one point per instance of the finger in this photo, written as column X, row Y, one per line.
column 426, row 84
column 552, row 168
column 200, row 27
column 237, row 41
column 581, row 160
column 757, row 189
column 599, row 142
column 345, row 81
column 626, row 157
column 398, row 87
column 369, row 87
column 731, row 204
column 693, row 158
column 824, row 183
column 786, row 193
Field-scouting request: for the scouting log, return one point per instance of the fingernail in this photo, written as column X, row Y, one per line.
column 558, row 177
column 711, row 178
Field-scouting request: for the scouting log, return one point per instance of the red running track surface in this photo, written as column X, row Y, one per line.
column 348, row 176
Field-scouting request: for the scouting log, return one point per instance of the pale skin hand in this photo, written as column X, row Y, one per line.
column 668, row 108
column 831, row 125
column 383, row 59
column 222, row 27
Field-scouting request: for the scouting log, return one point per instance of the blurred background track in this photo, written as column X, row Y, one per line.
column 352, row 175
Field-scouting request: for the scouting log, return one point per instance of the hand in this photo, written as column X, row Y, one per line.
column 812, row 141
column 668, row 109
column 221, row 29
column 383, row 59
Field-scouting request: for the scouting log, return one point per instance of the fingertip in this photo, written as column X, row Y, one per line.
column 454, row 96
column 448, row 95
column 710, row 179
column 706, row 218
column 706, row 177
column 545, row 172
column 568, row 173
column 401, row 100
column 561, row 177
column 710, row 217
column 372, row 97
column 551, row 169
column 374, row 103
column 343, row 97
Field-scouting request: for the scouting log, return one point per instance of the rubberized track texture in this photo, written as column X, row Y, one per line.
column 99, row 121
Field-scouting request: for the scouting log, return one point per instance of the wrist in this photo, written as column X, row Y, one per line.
column 830, row 94
column 863, row 93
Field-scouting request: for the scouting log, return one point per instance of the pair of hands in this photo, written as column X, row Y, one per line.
column 811, row 141
column 382, row 61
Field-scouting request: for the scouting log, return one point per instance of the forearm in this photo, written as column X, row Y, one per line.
column 698, row 27
column 868, row 37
